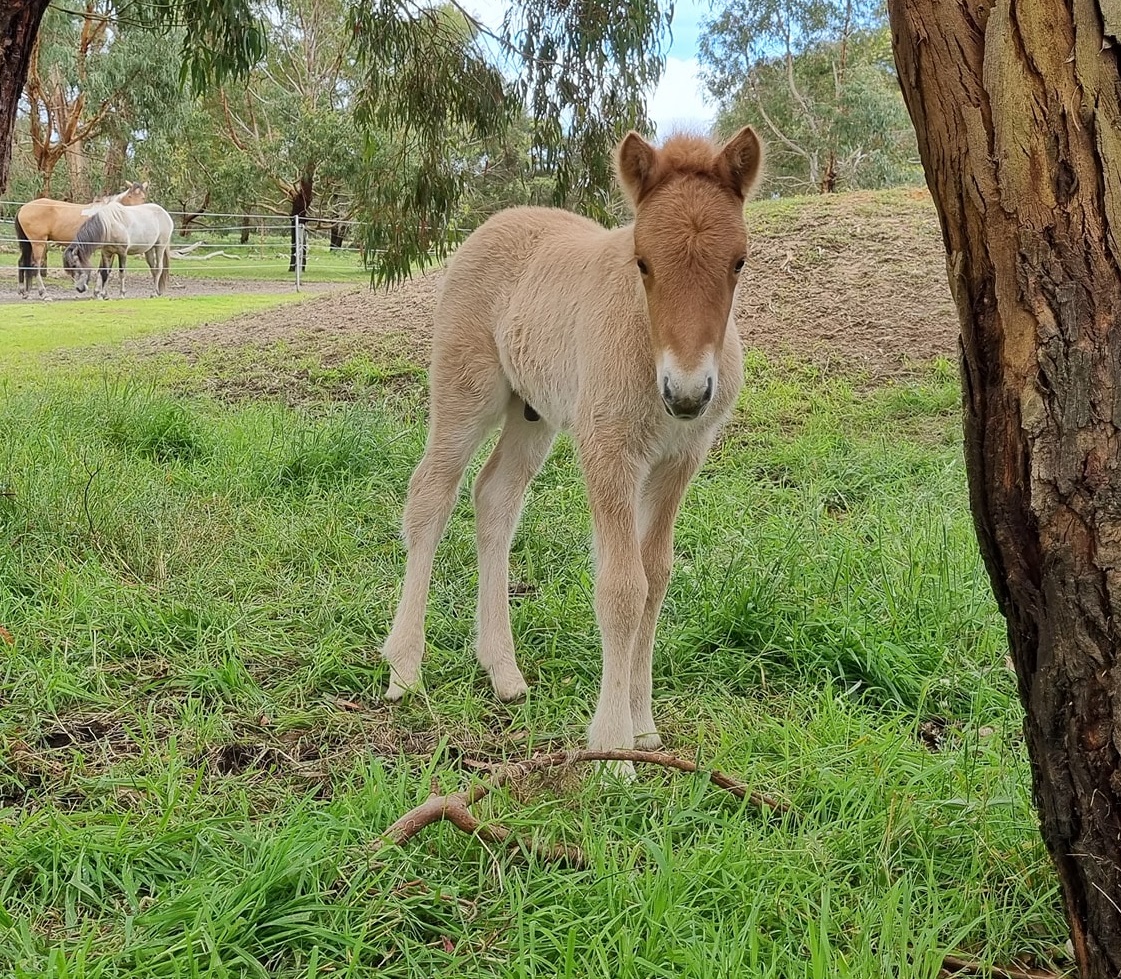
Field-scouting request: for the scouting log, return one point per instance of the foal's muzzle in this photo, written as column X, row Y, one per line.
column 687, row 400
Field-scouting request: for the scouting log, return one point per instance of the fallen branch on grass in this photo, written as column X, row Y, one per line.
column 954, row 966
column 455, row 806
column 203, row 258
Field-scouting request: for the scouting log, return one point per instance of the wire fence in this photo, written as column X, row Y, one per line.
column 257, row 247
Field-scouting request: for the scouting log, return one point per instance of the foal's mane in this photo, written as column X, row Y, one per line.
column 685, row 154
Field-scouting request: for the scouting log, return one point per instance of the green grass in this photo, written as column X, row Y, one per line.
column 35, row 327
column 196, row 592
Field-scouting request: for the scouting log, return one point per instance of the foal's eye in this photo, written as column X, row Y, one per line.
column 739, row 266
column 642, row 266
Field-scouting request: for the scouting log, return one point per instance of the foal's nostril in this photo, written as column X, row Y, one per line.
column 708, row 392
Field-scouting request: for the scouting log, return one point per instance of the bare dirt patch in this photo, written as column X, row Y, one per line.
column 849, row 281
column 138, row 284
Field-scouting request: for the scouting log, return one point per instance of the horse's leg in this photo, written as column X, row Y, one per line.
column 121, row 267
column 612, row 478
column 469, row 394
column 499, row 490
column 40, row 259
column 101, row 280
column 151, row 256
column 660, row 500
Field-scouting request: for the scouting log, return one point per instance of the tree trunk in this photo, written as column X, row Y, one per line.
column 77, row 170
column 1017, row 106
column 115, row 159
column 338, row 236
column 301, row 201
column 19, row 25
column 245, row 228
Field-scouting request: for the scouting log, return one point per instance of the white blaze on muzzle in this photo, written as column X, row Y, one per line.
column 686, row 390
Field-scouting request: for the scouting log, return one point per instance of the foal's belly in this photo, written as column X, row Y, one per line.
column 540, row 363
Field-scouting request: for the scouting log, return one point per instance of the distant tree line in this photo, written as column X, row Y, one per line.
column 818, row 79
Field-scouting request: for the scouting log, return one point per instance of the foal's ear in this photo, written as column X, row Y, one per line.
column 636, row 162
column 741, row 160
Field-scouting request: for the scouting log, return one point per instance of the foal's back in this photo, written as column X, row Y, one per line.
column 500, row 254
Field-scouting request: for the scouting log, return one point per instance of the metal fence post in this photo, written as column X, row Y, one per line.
column 299, row 251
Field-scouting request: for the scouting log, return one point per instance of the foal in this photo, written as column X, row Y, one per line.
column 547, row 321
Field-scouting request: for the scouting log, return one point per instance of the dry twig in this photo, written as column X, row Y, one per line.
column 952, row 965
column 455, row 806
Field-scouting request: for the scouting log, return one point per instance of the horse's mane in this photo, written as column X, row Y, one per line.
column 91, row 232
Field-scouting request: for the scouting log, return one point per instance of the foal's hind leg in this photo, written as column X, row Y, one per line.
column 499, row 490
column 462, row 415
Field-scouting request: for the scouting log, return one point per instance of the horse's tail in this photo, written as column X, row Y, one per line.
column 25, row 255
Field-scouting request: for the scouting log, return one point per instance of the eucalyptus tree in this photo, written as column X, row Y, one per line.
column 91, row 85
column 817, row 76
column 579, row 70
column 215, row 38
column 1018, row 113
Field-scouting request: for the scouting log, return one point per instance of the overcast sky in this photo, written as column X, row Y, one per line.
column 678, row 99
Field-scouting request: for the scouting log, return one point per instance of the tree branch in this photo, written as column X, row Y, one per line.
column 455, row 806
column 952, row 965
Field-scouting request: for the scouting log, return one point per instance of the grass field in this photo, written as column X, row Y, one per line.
column 33, row 327
column 195, row 761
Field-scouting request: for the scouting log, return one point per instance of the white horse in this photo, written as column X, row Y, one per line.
column 625, row 338
column 141, row 229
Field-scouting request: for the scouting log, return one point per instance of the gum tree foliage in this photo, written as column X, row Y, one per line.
column 189, row 160
column 214, row 38
column 293, row 117
column 91, row 84
column 817, row 76
column 577, row 69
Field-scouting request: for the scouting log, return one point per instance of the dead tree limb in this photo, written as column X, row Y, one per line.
column 952, row 965
column 455, row 806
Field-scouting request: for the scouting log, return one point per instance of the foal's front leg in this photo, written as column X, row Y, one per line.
column 660, row 501
column 620, row 590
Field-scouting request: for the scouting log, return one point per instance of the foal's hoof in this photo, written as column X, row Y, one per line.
column 398, row 691
column 615, row 771
column 651, row 741
column 510, row 690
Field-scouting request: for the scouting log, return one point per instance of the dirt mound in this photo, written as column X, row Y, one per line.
column 850, row 280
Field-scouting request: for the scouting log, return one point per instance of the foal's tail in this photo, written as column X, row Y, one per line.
column 25, row 255
column 165, row 266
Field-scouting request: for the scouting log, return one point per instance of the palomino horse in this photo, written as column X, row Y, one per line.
column 42, row 221
column 625, row 338
column 143, row 229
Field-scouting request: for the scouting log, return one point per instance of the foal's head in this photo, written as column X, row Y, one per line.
column 689, row 247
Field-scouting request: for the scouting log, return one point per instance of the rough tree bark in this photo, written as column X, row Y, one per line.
column 301, row 201
column 1017, row 105
column 19, row 26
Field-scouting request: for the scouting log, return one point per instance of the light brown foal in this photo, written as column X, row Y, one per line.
column 547, row 321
